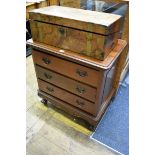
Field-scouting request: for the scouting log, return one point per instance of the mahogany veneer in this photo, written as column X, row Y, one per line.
column 79, row 85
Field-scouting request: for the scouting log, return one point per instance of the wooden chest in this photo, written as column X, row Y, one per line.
column 90, row 33
column 79, row 85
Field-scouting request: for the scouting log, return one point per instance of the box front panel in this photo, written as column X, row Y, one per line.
column 86, row 43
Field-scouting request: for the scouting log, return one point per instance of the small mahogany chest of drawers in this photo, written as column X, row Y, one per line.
column 89, row 33
column 79, row 85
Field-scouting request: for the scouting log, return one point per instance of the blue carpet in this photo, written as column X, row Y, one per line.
column 113, row 129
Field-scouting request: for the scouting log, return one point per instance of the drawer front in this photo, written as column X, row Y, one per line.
column 70, row 69
column 67, row 97
column 73, row 86
column 86, row 43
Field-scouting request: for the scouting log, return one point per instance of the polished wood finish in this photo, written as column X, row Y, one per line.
column 85, row 20
column 76, row 112
column 70, row 3
column 34, row 5
column 82, row 86
column 120, row 67
column 73, row 70
column 66, row 97
column 125, row 26
column 29, row 6
column 109, row 81
column 53, row 2
column 89, row 44
column 125, row 36
column 66, row 83
column 95, row 33
column 77, row 58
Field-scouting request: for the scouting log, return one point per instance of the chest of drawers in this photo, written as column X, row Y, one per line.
column 79, row 85
column 89, row 33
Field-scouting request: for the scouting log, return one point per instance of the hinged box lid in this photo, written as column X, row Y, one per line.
column 91, row 21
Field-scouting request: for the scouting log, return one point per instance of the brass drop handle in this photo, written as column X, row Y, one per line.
column 80, row 90
column 49, row 89
column 46, row 60
column 47, row 76
column 80, row 103
column 81, row 73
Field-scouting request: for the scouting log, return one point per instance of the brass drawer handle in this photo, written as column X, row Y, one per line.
column 47, row 76
column 46, row 60
column 49, row 89
column 81, row 73
column 80, row 103
column 80, row 90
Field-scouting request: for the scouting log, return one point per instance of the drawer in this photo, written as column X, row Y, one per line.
column 66, row 96
column 67, row 68
column 66, row 83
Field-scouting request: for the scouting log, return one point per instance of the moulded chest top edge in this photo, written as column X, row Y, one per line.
column 90, row 62
column 85, row 16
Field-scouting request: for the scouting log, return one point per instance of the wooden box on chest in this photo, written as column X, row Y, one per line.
column 89, row 33
column 79, row 85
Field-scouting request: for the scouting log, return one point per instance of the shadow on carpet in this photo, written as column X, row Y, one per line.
column 113, row 129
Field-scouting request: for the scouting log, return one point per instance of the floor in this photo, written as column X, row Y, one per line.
column 115, row 122
column 51, row 133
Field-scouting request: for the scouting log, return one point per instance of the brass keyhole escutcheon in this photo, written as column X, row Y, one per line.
column 62, row 31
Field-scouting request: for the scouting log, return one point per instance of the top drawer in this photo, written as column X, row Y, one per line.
column 67, row 68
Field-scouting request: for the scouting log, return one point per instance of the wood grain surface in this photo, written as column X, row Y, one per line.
column 93, row 120
column 63, row 63
column 86, row 32
column 82, row 42
column 102, row 23
column 66, row 83
column 67, row 68
column 75, row 57
column 66, row 96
